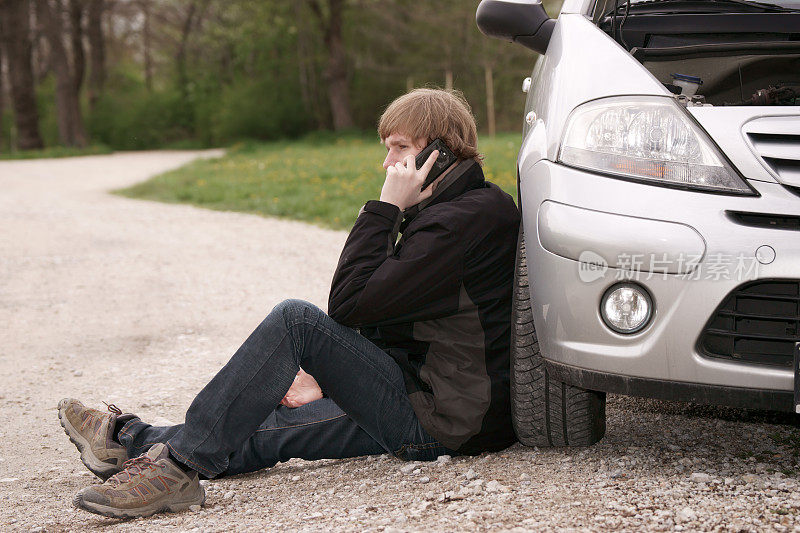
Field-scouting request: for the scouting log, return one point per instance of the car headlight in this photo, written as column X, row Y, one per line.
column 646, row 138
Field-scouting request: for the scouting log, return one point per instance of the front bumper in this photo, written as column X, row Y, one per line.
column 661, row 389
column 702, row 256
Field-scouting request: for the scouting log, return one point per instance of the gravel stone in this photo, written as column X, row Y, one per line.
column 408, row 468
column 496, row 486
column 686, row 515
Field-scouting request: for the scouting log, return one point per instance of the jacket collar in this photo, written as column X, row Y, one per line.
column 465, row 176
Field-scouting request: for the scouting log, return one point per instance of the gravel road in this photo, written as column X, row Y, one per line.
column 138, row 303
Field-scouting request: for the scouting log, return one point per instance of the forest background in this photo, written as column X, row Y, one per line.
column 140, row 74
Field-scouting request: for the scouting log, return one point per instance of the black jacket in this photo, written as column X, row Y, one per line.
column 439, row 302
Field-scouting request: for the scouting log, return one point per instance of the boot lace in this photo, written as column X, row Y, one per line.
column 113, row 408
column 134, row 467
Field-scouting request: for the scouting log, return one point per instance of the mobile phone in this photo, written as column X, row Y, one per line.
column 443, row 161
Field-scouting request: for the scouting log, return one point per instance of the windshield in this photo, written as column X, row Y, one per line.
column 791, row 4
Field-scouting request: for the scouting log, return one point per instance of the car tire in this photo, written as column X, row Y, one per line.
column 545, row 412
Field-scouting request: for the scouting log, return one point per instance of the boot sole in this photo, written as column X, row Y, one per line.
column 138, row 512
column 88, row 458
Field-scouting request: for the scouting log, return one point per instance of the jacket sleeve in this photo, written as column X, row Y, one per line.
column 373, row 285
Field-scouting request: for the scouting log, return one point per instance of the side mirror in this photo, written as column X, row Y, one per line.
column 521, row 21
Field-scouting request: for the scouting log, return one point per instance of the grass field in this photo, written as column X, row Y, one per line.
column 56, row 151
column 323, row 179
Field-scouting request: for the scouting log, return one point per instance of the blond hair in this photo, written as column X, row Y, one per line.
column 433, row 114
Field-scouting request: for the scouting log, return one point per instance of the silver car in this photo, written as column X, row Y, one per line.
column 659, row 183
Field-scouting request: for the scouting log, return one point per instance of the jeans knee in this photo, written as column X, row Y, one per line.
column 294, row 310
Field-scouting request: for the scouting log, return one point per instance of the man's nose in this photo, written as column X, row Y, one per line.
column 389, row 161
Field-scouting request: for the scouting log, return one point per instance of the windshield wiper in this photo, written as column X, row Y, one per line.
column 722, row 5
column 769, row 6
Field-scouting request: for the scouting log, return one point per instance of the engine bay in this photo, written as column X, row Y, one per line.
column 734, row 80
column 725, row 53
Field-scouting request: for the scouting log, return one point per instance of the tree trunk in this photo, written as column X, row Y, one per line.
column 180, row 57
column 76, row 38
column 40, row 56
column 490, row 120
column 146, row 42
column 15, row 39
column 78, row 69
column 307, row 72
column 97, row 51
column 336, row 70
column 71, row 131
column 2, row 92
column 448, row 71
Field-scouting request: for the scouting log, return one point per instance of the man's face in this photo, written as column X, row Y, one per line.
column 399, row 146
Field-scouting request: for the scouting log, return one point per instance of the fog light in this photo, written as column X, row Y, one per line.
column 626, row 308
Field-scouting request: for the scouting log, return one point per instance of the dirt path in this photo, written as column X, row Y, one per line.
column 139, row 303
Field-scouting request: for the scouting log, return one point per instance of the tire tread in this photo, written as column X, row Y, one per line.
column 545, row 412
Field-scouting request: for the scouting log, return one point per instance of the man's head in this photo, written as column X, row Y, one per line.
column 418, row 117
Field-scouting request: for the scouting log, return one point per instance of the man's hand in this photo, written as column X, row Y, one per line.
column 404, row 181
column 304, row 390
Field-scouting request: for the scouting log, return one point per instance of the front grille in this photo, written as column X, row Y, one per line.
column 758, row 323
column 776, row 140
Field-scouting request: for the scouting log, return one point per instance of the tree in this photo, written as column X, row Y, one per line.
column 147, row 44
column 2, row 94
column 336, row 70
column 16, row 42
column 76, row 39
column 97, row 50
column 180, row 57
column 307, row 72
column 71, row 130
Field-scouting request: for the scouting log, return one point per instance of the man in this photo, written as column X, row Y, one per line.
column 425, row 374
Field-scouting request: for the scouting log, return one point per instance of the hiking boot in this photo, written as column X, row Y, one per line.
column 92, row 431
column 148, row 484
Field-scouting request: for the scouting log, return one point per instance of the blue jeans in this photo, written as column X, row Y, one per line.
column 236, row 425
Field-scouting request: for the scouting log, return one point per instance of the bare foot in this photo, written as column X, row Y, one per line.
column 304, row 390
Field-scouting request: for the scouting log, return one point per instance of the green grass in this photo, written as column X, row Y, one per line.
column 56, row 151
column 323, row 178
